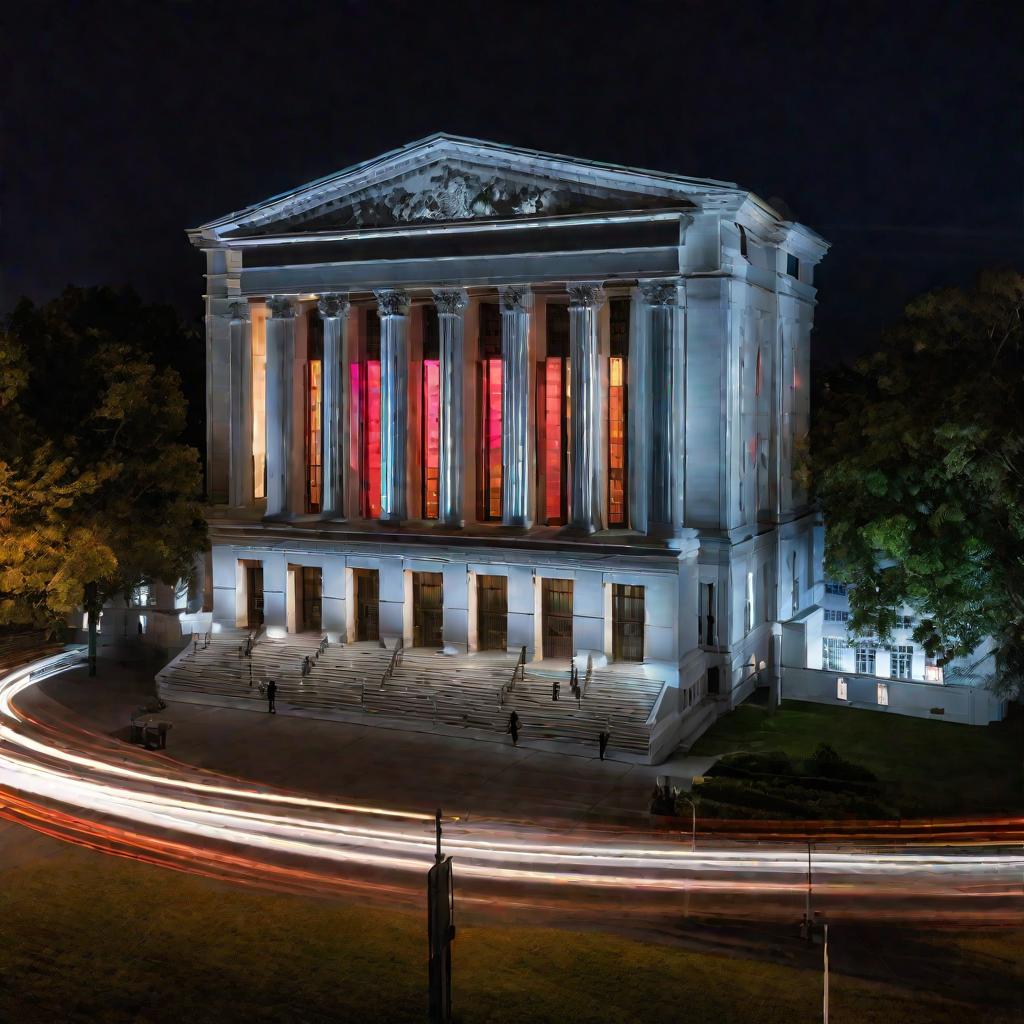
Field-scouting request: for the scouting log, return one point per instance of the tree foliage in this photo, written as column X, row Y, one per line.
column 97, row 492
column 919, row 465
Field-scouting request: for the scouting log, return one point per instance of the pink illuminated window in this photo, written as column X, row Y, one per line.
column 553, row 419
column 489, row 475
column 366, row 384
column 431, row 437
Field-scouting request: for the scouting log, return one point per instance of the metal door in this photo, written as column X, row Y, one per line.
column 627, row 622
column 556, row 608
column 427, row 609
column 492, row 613
column 254, row 596
column 367, row 594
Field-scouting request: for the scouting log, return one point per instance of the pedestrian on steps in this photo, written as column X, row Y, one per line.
column 602, row 741
column 513, row 728
column 271, row 694
column 554, row 689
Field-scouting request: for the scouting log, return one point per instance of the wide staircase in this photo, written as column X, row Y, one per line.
column 477, row 691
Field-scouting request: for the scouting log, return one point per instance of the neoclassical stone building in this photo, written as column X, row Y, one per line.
column 469, row 396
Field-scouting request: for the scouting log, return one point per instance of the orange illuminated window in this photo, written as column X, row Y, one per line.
column 314, row 413
column 617, row 423
column 366, row 384
column 430, row 412
column 490, row 466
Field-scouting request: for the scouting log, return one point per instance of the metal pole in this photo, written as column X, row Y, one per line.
column 824, row 1008
column 693, row 844
column 437, row 832
column 807, row 909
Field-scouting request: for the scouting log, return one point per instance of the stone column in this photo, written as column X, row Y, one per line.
column 334, row 311
column 515, row 304
column 662, row 408
column 280, row 371
column 240, row 423
column 451, row 309
column 393, row 306
column 586, row 513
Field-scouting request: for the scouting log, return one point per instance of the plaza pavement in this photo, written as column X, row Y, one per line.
column 417, row 771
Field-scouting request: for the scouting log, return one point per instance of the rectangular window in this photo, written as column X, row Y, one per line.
column 792, row 265
column 882, row 694
column 905, row 621
column 627, row 622
column 430, row 415
column 489, row 475
column 427, row 609
column 492, row 613
column 553, row 419
column 366, row 384
column 258, row 327
column 832, row 615
column 366, row 584
column 707, row 617
column 841, row 691
column 835, row 588
column 902, row 660
column 832, row 648
column 866, row 659
column 314, row 411
column 618, row 511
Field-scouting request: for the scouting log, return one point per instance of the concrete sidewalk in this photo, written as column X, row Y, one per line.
column 366, row 764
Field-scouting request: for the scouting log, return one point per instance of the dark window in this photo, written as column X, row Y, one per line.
column 427, row 609
column 367, row 594
column 312, row 598
column 713, row 680
column 792, row 265
column 556, row 609
column 627, row 622
column 743, row 239
column 492, row 613
column 254, row 596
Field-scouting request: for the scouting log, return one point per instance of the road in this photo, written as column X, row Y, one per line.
column 67, row 781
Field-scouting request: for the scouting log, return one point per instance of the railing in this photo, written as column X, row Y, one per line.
column 393, row 664
column 590, row 673
column 205, row 637
column 518, row 673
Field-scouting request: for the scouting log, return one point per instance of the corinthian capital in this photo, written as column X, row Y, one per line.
column 238, row 310
column 585, row 294
column 333, row 305
column 660, row 293
column 450, row 301
column 392, row 301
column 281, row 307
column 515, row 298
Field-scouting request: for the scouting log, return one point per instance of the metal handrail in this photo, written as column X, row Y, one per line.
column 589, row 675
column 396, row 660
column 519, row 672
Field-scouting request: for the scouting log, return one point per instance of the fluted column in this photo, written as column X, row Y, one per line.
column 451, row 310
column 586, row 513
column 662, row 408
column 393, row 306
column 240, row 490
column 516, row 302
column 280, row 371
column 334, row 311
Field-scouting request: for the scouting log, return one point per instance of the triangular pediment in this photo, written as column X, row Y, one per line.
column 445, row 179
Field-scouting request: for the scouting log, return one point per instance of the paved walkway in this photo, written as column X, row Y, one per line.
column 417, row 771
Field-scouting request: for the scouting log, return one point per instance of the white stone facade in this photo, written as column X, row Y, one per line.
column 716, row 294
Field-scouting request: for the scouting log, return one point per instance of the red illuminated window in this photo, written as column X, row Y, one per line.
column 313, row 419
column 618, row 505
column 430, row 416
column 490, row 466
column 553, row 419
column 366, row 384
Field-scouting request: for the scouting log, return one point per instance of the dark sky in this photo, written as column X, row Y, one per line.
column 894, row 129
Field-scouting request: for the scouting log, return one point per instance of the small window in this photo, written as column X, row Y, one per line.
column 792, row 266
column 838, row 589
column 841, row 689
column 905, row 621
column 834, row 615
column 882, row 692
column 743, row 240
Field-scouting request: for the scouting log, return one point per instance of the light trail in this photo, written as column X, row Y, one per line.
column 86, row 789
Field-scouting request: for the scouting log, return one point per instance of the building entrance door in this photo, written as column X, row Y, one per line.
column 556, row 617
column 627, row 622
column 492, row 613
column 367, row 595
column 312, row 598
column 427, row 609
column 254, row 596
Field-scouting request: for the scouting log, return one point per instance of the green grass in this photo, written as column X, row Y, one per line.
column 930, row 768
column 88, row 938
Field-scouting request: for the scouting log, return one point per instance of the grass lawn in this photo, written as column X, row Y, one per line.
column 932, row 768
column 89, row 938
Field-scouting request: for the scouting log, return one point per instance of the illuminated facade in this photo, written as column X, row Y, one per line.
column 469, row 397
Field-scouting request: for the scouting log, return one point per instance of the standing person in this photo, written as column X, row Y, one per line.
column 513, row 728
column 602, row 741
column 554, row 689
column 271, row 694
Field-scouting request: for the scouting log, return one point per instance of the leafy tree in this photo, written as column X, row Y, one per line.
column 918, row 459
column 96, row 491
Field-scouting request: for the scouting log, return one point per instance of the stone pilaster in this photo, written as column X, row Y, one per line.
column 451, row 311
column 280, row 371
column 659, row 412
column 334, row 311
column 393, row 307
column 587, row 511
column 515, row 302
column 240, row 491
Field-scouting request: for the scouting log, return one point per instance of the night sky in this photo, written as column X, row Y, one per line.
column 893, row 129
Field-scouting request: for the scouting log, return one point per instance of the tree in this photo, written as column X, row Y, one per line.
column 918, row 459
column 96, row 491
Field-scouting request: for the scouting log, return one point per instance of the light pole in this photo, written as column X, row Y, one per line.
column 693, row 829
